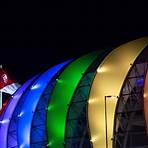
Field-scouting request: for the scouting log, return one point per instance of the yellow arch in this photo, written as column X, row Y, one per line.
column 108, row 82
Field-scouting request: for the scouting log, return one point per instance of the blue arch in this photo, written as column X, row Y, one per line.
column 29, row 106
column 7, row 116
column 38, row 128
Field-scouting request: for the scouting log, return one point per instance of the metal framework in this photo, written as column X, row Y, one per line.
column 77, row 134
column 129, row 123
column 129, row 129
column 38, row 130
column 77, row 125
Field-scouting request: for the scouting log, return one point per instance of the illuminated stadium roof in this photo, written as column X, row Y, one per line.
column 94, row 101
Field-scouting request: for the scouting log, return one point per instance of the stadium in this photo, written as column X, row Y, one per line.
column 96, row 101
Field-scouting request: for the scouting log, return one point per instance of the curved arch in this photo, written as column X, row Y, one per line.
column 5, row 121
column 31, row 100
column 76, row 132
column 38, row 127
column 146, row 101
column 61, row 98
column 107, row 84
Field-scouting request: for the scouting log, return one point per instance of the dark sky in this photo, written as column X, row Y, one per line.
column 35, row 36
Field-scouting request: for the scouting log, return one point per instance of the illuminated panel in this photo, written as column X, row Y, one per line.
column 29, row 106
column 146, row 101
column 61, row 98
column 4, row 123
column 108, row 82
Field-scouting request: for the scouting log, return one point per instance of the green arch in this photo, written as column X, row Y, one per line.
column 61, row 98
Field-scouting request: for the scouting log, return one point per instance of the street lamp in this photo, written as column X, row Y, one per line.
column 105, row 106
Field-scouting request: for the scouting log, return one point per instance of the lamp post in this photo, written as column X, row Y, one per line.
column 105, row 106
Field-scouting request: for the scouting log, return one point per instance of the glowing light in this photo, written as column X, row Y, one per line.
column 94, row 138
column 50, row 143
column 145, row 95
column 92, row 101
column 59, row 80
column 36, row 86
column 50, row 107
column 4, row 121
column 21, row 114
column 140, row 82
column 102, row 69
column 22, row 145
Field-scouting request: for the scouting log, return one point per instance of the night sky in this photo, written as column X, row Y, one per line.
column 36, row 36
